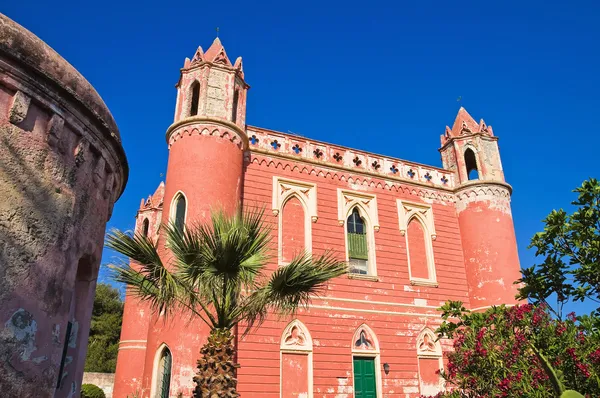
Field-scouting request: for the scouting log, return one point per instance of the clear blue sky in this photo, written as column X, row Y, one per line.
column 380, row 76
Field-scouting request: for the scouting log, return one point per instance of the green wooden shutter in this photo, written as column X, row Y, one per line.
column 357, row 246
column 364, row 378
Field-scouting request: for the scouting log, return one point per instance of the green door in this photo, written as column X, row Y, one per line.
column 364, row 378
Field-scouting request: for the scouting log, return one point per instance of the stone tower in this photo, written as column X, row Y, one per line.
column 205, row 171
column 62, row 167
column 470, row 150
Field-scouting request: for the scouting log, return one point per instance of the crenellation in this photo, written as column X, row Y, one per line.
column 19, row 107
column 282, row 145
column 55, row 131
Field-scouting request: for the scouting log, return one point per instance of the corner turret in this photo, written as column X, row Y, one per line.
column 470, row 150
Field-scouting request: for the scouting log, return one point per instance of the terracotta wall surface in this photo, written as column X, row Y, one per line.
column 395, row 309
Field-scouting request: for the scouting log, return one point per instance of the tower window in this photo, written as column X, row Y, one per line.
column 471, row 165
column 145, row 227
column 195, row 98
column 358, row 252
column 163, row 381
column 180, row 210
column 236, row 96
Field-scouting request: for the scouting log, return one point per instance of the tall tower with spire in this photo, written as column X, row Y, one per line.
column 470, row 150
column 206, row 145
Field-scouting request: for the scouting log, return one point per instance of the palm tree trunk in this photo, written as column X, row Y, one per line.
column 216, row 377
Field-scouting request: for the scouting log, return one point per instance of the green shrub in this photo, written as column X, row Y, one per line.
column 91, row 391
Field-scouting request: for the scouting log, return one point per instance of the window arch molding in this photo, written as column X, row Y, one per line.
column 422, row 213
column 155, row 390
column 285, row 189
column 372, row 343
column 428, row 348
column 366, row 205
column 365, row 344
column 173, row 208
column 296, row 339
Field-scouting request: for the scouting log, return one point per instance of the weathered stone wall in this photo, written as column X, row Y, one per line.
column 62, row 168
column 105, row 381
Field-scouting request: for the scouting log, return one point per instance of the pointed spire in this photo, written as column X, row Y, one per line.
column 238, row 65
column 464, row 123
column 484, row 128
column 216, row 54
column 159, row 194
column 156, row 199
column 198, row 56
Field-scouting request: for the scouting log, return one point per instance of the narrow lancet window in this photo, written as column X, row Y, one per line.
column 358, row 249
column 180, row 209
column 163, row 381
column 195, row 99
column 471, row 164
column 236, row 98
column 145, row 227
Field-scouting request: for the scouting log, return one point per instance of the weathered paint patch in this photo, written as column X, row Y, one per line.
column 23, row 328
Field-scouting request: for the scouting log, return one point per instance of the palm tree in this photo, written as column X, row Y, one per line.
column 217, row 273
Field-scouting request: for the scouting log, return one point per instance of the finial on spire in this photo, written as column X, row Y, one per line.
column 217, row 31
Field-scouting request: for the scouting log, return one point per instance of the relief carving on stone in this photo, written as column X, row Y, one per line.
column 364, row 340
column 296, row 337
column 427, row 346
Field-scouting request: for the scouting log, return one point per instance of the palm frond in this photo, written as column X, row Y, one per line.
column 291, row 286
column 150, row 280
column 138, row 248
column 234, row 247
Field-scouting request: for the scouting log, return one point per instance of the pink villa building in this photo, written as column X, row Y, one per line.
column 414, row 236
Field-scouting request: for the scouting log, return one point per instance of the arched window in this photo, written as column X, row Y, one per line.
column 471, row 165
column 293, row 223
column 296, row 366
column 429, row 354
column 417, row 250
column 417, row 226
column 179, row 211
column 145, row 227
column 358, row 212
column 236, row 96
column 358, row 248
column 163, row 374
column 195, row 98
